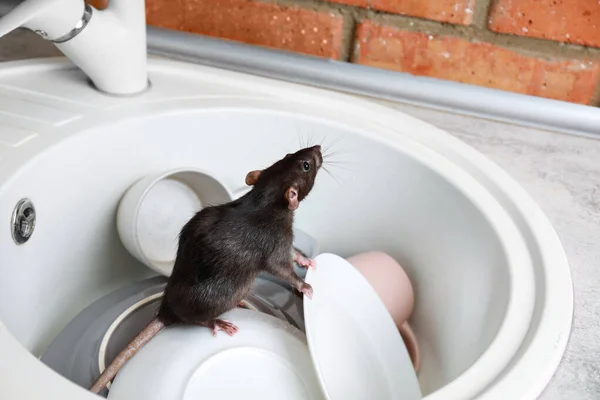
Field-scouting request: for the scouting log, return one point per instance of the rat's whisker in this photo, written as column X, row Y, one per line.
column 333, row 143
column 338, row 161
column 340, row 167
column 337, row 153
column 332, row 176
column 308, row 136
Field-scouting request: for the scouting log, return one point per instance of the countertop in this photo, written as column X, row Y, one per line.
column 561, row 172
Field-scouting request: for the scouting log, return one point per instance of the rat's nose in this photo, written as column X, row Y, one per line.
column 317, row 147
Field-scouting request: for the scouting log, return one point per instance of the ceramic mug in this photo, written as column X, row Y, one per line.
column 153, row 210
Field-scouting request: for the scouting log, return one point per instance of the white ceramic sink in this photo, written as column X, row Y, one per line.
column 492, row 284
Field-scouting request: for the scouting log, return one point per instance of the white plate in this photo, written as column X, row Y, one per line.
column 267, row 359
column 357, row 351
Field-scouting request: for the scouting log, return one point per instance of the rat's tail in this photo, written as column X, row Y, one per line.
column 137, row 343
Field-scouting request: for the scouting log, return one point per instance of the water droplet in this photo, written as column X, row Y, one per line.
column 324, row 41
column 430, row 37
column 315, row 29
column 524, row 29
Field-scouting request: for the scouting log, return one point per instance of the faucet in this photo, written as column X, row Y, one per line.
column 109, row 45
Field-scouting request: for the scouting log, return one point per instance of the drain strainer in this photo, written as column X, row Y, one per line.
column 23, row 221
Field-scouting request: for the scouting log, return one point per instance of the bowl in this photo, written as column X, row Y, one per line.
column 156, row 207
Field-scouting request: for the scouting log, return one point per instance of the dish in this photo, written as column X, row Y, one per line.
column 267, row 359
column 356, row 348
column 394, row 287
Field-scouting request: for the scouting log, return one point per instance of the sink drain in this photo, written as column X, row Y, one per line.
column 23, row 221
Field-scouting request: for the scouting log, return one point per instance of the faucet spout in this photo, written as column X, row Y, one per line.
column 109, row 46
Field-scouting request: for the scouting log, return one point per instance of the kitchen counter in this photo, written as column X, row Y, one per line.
column 562, row 174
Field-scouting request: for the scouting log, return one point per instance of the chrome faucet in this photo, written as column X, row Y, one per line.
column 108, row 45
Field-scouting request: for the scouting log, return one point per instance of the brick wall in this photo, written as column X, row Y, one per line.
column 547, row 48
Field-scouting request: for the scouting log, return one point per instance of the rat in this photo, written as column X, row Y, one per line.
column 223, row 248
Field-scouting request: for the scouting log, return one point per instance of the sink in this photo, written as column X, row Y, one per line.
column 493, row 292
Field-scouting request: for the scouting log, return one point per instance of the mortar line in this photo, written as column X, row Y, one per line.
column 349, row 38
column 595, row 100
column 482, row 11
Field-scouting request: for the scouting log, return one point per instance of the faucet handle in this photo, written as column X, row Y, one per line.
column 50, row 19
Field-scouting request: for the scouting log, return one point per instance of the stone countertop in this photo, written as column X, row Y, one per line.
column 561, row 173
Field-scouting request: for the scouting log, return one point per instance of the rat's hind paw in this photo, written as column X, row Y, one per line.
column 225, row 326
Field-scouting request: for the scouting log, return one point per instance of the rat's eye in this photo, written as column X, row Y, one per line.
column 306, row 166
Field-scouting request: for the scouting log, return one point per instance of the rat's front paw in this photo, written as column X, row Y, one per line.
column 307, row 290
column 303, row 261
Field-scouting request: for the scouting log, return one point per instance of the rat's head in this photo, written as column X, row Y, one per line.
column 292, row 178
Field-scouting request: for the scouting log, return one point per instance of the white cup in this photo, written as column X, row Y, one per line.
column 155, row 208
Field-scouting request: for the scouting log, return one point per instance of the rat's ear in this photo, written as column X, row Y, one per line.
column 291, row 195
column 252, row 177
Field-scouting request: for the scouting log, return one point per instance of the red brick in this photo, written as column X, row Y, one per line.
column 452, row 11
column 289, row 28
column 482, row 64
column 570, row 21
column 165, row 13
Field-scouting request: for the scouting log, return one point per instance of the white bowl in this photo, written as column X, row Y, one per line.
column 155, row 208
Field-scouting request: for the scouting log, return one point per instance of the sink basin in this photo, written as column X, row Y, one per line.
column 493, row 293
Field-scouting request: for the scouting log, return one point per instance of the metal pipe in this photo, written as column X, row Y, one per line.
column 395, row 86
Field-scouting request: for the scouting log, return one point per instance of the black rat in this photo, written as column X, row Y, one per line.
column 223, row 248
